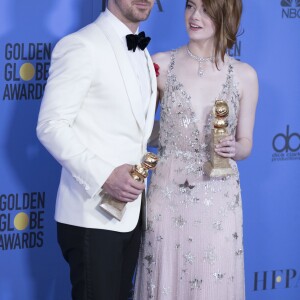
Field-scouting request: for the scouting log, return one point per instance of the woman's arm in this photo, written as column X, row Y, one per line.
column 239, row 147
column 160, row 61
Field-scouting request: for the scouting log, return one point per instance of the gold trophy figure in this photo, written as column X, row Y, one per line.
column 117, row 208
column 218, row 166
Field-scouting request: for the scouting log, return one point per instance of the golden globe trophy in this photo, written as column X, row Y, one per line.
column 218, row 166
column 117, row 208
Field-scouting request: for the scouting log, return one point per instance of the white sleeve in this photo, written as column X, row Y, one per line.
column 70, row 76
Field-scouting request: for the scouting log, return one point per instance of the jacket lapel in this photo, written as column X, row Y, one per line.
column 129, row 78
column 152, row 102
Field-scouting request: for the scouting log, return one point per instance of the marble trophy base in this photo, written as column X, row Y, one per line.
column 218, row 166
column 113, row 207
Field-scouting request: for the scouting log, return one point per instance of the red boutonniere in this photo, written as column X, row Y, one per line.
column 156, row 67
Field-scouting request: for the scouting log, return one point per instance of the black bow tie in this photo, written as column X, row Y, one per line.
column 137, row 40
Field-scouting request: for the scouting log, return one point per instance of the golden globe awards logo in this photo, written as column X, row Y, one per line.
column 286, row 145
column 26, row 67
column 290, row 9
column 22, row 221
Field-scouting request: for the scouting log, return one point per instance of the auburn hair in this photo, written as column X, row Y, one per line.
column 226, row 16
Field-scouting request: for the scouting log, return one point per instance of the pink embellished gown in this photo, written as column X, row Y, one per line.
column 193, row 247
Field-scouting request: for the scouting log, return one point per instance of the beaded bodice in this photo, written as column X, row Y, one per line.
column 181, row 133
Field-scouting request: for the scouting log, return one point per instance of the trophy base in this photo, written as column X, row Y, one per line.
column 217, row 172
column 113, row 207
column 116, row 208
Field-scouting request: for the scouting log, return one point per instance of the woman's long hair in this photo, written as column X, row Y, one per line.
column 226, row 16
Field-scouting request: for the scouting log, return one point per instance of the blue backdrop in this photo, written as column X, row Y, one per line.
column 31, row 265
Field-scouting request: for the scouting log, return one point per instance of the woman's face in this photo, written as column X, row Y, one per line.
column 198, row 24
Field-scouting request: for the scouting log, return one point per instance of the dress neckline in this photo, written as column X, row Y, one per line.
column 171, row 73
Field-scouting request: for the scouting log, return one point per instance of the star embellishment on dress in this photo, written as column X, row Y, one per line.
column 149, row 258
column 167, row 193
column 179, row 221
column 185, row 187
column 189, row 258
column 210, row 256
column 195, row 284
column 235, row 235
column 218, row 225
column 219, row 276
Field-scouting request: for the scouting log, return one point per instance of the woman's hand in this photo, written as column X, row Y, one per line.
column 226, row 147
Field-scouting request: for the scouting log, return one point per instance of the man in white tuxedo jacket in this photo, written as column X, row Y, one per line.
column 95, row 119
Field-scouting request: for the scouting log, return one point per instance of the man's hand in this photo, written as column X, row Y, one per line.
column 122, row 186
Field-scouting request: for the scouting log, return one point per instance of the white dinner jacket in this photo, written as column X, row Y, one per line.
column 92, row 120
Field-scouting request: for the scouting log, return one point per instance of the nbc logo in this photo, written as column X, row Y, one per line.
column 290, row 3
column 290, row 9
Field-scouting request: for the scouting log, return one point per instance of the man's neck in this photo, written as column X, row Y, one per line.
column 133, row 26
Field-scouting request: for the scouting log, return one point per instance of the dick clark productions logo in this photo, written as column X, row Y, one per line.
column 290, row 9
column 286, row 145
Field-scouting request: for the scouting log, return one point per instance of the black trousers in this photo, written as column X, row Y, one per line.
column 102, row 262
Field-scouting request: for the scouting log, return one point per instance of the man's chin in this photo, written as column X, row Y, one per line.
column 142, row 15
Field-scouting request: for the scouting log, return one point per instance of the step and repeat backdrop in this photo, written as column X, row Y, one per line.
column 31, row 264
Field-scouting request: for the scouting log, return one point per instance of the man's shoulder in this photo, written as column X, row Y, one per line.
column 86, row 34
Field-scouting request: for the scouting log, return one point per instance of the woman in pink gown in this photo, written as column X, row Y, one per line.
column 193, row 247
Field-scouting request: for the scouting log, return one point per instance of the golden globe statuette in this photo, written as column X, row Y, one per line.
column 218, row 166
column 116, row 208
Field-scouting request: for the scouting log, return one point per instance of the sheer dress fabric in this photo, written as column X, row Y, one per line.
column 193, row 247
